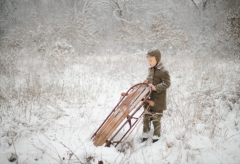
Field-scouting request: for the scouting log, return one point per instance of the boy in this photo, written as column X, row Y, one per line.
column 159, row 79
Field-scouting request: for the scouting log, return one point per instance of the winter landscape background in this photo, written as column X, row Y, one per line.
column 63, row 65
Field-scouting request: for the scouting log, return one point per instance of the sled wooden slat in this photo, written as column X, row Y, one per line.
column 134, row 99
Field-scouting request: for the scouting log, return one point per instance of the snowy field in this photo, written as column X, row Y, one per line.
column 62, row 71
column 64, row 105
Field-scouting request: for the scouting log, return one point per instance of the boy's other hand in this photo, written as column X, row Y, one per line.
column 145, row 81
column 152, row 86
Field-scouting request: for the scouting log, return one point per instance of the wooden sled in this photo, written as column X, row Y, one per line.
column 122, row 114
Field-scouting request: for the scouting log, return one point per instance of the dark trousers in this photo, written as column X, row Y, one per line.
column 155, row 119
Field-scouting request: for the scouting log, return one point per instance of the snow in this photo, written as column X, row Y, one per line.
column 60, row 131
column 61, row 74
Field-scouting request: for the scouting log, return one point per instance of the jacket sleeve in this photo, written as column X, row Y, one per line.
column 166, row 82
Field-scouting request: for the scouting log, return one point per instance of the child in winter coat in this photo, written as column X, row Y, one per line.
column 159, row 79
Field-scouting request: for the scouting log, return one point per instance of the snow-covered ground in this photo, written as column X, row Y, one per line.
column 56, row 109
column 64, row 64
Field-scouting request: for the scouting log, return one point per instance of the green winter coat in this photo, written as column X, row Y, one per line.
column 159, row 77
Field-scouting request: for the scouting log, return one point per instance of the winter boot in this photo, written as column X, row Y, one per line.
column 144, row 139
column 154, row 140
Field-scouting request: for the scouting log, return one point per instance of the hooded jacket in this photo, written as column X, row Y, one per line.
column 159, row 77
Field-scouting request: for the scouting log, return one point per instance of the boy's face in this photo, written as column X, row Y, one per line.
column 151, row 61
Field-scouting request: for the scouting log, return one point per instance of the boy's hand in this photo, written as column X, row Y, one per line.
column 123, row 94
column 145, row 81
column 152, row 86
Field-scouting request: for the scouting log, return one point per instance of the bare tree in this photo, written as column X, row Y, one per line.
column 200, row 3
column 119, row 6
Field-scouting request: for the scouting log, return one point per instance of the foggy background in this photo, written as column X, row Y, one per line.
column 202, row 26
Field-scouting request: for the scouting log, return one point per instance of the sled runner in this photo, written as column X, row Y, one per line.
column 123, row 114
